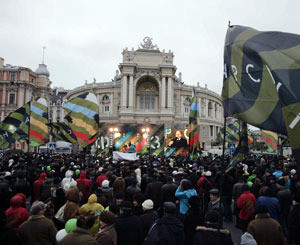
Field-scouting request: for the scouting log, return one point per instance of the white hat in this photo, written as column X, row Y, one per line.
column 105, row 183
column 207, row 173
column 147, row 204
column 174, row 172
column 293, row 171
column 10, row 162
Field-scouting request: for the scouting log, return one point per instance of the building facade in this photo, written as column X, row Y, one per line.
column 146, row 90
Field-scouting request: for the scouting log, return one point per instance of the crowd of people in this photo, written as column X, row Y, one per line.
column 84, row 199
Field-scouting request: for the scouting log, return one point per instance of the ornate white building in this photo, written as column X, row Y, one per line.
column 145, row 90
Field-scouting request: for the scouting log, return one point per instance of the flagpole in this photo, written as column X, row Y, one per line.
column 220, row 218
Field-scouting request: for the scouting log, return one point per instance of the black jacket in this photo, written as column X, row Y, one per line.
column 285, row 198
column 147, row 220
column 153, row 192
column 168, row 192
column 293, row 225
column 166, row 231
column 210, row 236
column 128, row 228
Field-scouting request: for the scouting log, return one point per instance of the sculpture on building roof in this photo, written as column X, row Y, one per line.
column 148, row 44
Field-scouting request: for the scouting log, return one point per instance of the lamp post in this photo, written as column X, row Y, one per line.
column 146, row 133
column 112, row 131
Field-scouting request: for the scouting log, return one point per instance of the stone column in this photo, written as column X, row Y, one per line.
column 27, row 95
column 163, row 93
column 20, row 96
column 124, row 91
column 131, row 97
column 170, row 92
column 3, row 100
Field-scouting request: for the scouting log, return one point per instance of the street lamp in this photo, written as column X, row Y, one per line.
column 112, row 131
column 146, row 134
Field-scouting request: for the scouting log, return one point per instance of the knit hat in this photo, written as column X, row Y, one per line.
column 107, row 217
column 208, row 173
column 293, row 171
column 105, row 183
column 70, row 225
column 147, row 204
column 169, row 207
column 77, row 172
column 36, row 207
column 214, row 191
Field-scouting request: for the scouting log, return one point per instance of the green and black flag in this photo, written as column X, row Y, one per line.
column 241, row 150
column 232, row 133
column 194, row 127
column 261, row 81
column 17, row 122
column 61, row 131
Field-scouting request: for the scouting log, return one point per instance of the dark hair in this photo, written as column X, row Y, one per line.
column 194, row 202
column 186, row 185
column 245, row 187
column 107, row 217
column 86, row 222
column 261, row 209
column 169, row 179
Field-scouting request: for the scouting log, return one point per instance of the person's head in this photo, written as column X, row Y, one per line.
column 138, row 199
column 119, row 198
column 38, row 208
column 245, row 187
column 178, row 134
column 86, row 222
column 107, row 218
column 272, row 179
column 126, row 208
column 213, row 194
column 261, row 209
column 185, row 185
column 129, row 144
column 147, row 205
column 169, row 208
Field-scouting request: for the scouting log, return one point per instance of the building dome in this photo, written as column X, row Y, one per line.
column 42, row 71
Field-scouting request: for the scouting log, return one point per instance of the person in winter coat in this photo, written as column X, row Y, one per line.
column 209, row 235
column 93, row 208
column 37, row 186
column 37, row 229
column 167, row 230
column 128, row 226
column 153, row 192
column 183, row 193
column 84, row 186
column 205, row 184
column 293, row 227
column 16, row 214
column 193, row 218
column 81, row 234
column 132, row 190
column 107, row 234
column 104, row 193
column 265, row 229
column 71, row 209
column 101, row 177
column 22, row 185
column 8, row 235
column 271, row 202
column 68, row 178
column 285, row 198
column 118, row 186
column 246, row 204
column 149, row 216
column 168, row 190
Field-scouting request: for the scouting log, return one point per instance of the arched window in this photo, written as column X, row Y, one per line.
column 105, row 98
column 147, row 94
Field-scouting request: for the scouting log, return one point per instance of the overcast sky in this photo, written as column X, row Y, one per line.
column 84, row 39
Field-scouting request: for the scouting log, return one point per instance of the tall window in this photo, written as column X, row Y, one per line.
column 12, row 98
column 210, row 109
column 106, row 108
column 211, row 131
column 147, row 93
column 147, row 101
column 12, row 76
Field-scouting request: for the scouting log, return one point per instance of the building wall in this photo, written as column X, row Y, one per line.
column 149, row 71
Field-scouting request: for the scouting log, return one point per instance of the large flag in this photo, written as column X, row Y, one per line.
column 232, row 133
column 271, row 139
column 241, row 150
column 194, row 127
column 17, row 122
column 61, row 131
column 83, row 118
column 6, row 138
column 38, row 132
column 261, row 81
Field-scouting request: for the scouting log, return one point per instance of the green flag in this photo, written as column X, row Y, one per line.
column 261, row 81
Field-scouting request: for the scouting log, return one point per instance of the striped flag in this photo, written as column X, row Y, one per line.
column 6, row 138
column 241, row 150
column 261, row 81
column 38, row 132
column 83, row 118
column 194, row 127
column 271, row 139
column 61, row 131
column 232, row 133
column 17, row 122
